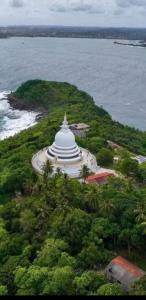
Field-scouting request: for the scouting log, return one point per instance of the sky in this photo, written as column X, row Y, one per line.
column 108, row 13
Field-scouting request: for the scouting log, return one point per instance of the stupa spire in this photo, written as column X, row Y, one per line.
column 65, row 123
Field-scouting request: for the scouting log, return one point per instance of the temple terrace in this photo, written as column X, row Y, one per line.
column 65, row 155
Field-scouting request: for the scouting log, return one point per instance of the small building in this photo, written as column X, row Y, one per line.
column 141, row 159
column 80, row 129
column 123, row 272
column 99, row 178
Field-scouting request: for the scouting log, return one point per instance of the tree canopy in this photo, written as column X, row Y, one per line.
column 57, row 235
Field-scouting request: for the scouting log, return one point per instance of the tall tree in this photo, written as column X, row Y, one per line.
column 85, row 172
column 47, row 171
column 105, row 157
column 91, row 198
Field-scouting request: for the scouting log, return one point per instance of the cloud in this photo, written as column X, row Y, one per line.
column 16, row 3
column 112, row 7
column 86, row 6
column 131, row 3
column 96, row 6
column 130, row 13
column 131, row 7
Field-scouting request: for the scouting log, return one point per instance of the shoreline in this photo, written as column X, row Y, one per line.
column 17, row 116
column 21, row 105
column 143, row 45
column 18, row 104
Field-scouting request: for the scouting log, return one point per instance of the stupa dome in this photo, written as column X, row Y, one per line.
column 65, row 138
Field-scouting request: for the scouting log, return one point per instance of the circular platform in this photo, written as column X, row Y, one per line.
column 73, row 168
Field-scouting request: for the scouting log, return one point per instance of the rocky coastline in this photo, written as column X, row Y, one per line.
column 20, row 104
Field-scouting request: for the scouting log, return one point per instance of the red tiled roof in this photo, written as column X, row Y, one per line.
column 128, row 266
column 99, row 176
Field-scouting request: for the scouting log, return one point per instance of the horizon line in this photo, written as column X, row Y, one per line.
column 72, row 26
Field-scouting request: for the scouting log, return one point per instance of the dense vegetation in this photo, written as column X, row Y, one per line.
column 56, row 234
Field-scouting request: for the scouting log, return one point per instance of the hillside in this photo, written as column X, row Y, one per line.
column 56, row 99
column 57, row 235
column 49, row 95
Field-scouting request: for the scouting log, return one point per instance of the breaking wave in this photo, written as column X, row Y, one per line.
column 13, row 121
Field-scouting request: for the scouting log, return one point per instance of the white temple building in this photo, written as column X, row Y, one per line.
column 65, row 155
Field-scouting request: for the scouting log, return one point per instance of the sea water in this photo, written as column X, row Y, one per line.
column 13, row 121
column 114, row 75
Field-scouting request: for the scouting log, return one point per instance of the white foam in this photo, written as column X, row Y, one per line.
column 14, row 121
column 4, row 94
column 4, row 105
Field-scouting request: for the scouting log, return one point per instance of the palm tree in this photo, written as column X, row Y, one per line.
column 140, row 212
column 48, row 170
column 85, row 172
column 58, row 171
column 91, row 198
column 105, row 203
column 143, row 228
column 125, row 238
column 106, row 207
column 66, row 177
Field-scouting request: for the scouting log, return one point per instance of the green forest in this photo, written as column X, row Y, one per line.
column 57, row 235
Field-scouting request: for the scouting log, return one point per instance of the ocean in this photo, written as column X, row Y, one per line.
column 114, row 75
column 13, row 121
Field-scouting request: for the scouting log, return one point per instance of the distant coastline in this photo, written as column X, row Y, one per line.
column 130, row 34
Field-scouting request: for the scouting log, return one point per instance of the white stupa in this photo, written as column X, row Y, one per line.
column 64, row 149
column 65, row 154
